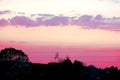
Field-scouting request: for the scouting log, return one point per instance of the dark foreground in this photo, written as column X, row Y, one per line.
column 65, row 70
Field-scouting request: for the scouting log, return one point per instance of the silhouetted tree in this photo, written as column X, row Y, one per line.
column 77, row 69
column 19, row 71
column 56, row 56
column 67, row 69
column 11, row 54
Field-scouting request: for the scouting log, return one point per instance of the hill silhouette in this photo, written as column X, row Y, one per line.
column 20, row 69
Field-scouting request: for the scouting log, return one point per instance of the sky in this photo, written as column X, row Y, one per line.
column 92, row 7
column 87, row 30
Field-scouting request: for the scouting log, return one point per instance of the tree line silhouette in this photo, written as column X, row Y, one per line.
column 15, row 65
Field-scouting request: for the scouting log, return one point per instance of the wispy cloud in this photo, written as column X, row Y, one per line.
column 116, row 1
column 5, row 12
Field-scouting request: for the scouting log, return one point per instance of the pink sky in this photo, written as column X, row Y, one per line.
column 97, row 47
column 88, row 31
column 100, row 57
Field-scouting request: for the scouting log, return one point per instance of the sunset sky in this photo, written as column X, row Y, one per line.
column 86, row 30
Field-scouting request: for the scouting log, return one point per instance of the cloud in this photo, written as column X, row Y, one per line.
column 5, row 12
column 3, row 22
column 21, row 21
column 98, row 21
column 116, row 1
column 86, row 21
column 57, row 20
column 113, row 1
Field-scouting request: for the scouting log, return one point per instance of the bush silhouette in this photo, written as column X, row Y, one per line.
column 11, row 54
column 19, row 71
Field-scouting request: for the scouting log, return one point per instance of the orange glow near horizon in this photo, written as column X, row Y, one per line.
column 62, row 36
column 91, row 46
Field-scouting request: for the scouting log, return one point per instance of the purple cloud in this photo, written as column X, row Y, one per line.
column 5, row 12
column 47, row 15
column 116, row 1
column 21, row 20
column 99, row 18
column 83, row 20
column 26, row 21
column 57, row 21
column 3, row 22
column 86, row 21
column 39, row 21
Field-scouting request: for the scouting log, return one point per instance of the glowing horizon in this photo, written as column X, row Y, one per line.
column 62, row 36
